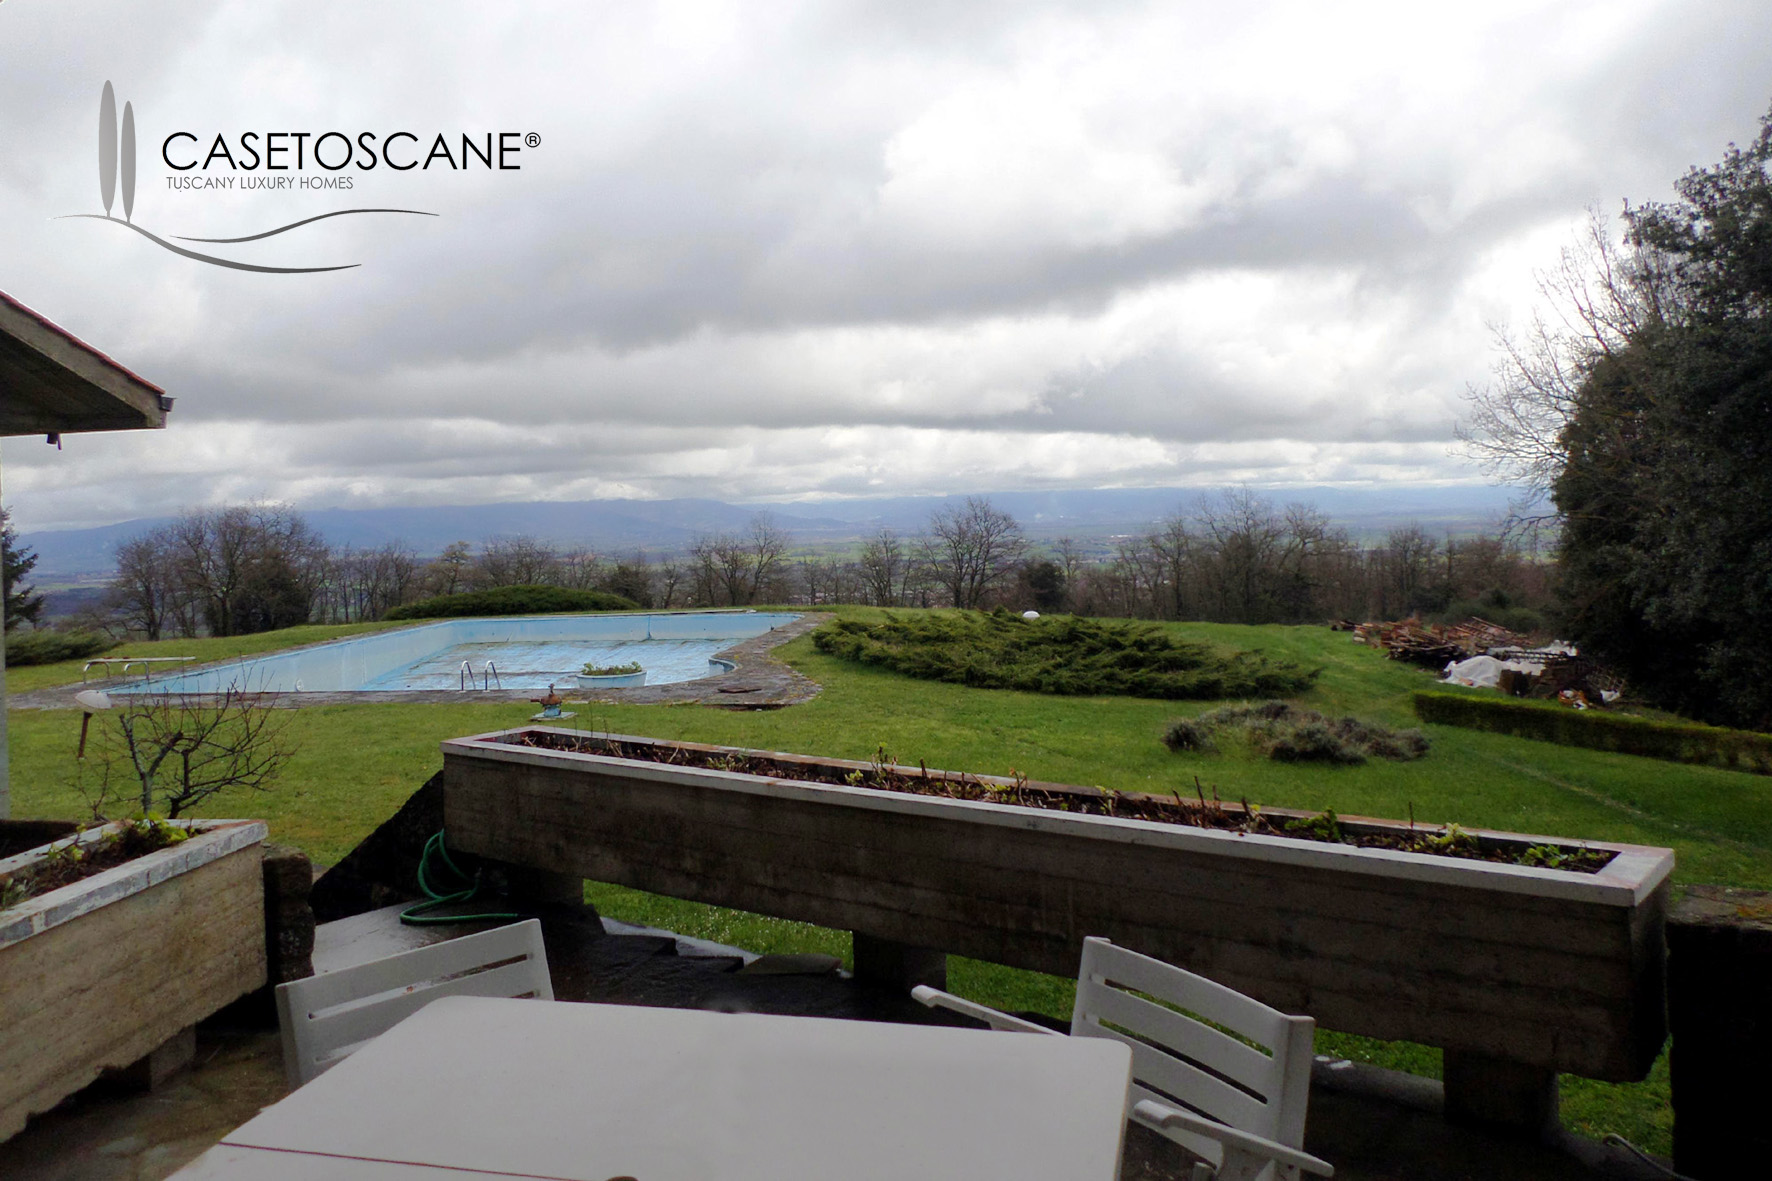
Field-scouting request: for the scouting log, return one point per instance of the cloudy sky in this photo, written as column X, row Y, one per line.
column 779, row 251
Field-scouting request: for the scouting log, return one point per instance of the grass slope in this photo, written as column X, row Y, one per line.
column 356, row 764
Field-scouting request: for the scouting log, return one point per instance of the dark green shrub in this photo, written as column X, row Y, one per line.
column 513, row 600
column 1676, row 742
column 1058, row 654
column 1311, row 742
column 1246, row 714
column 1288, row 734
column 1188, row 734
column 1397, row 745
column 41, row 646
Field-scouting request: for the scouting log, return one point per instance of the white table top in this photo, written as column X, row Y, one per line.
column 591, row 1092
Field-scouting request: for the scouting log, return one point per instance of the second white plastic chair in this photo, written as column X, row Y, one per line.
column 325, row 1017
column 1221, row 1074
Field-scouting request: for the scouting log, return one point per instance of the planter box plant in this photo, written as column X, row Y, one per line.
column 621, row 676
column 100, row 973
column 1517, row 970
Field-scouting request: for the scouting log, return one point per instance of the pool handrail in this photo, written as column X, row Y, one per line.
column 126, row 661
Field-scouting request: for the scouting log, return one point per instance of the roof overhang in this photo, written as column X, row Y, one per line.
column 51, row 382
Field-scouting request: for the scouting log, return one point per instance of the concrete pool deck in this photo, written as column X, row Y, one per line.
column 759, row 681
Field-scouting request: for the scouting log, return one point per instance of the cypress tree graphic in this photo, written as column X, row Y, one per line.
column 107, row 146
column 128, row 160
column 111, row 152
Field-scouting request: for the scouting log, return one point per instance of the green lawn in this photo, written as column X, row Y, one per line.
column 355, row 764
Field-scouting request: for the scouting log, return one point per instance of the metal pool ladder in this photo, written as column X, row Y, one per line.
column 465, row 677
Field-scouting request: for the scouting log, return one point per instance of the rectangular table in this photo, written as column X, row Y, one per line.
column 475, row 1086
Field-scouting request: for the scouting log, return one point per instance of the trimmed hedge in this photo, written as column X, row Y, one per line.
column 42, row 646
column 1058, row 654
column 513, row 600
column 1676, row 742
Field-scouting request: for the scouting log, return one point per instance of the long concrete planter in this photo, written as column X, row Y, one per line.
column 100, row 973
column 1535, row 968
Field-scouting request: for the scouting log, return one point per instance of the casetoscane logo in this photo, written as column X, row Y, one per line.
column 263, row 161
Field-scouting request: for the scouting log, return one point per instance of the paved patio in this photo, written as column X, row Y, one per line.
column 1372, row 1125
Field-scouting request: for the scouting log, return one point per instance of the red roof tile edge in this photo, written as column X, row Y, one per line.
column 131, row 374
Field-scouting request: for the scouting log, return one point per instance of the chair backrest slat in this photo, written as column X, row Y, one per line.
column 1171, row 1080
column 1188, row 1039
column 1213, row 1001
column 352, row 1024
column 325, row 1017
column 1176, row 1057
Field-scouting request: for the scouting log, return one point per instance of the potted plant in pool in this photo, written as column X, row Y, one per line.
column 612, row 676
column 116, row 940
column 1521, row 955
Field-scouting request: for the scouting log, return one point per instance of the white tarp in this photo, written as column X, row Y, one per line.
column 1484, row 672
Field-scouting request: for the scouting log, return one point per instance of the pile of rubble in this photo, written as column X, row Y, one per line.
column 1433, row 645
column 1486, row 655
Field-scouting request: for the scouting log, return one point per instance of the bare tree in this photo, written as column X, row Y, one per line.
column 1308, row 542
column 387, row 577
column 580, row 568
column 145, row 587
column 733, row 569
column 668, row 576
column 883, row 567
column 1070, row 560
column 1135, row 576
column 1241, row 541
column 242, row 569
column 1601, row 293
column 722, row 569
column 515, row 561
column 769, row 546
column 1407, row 564
column 1174, row 550
column 972, row 548
column 450, row 572
column 631, row 578
column 816, row 577
column 169, row 753
column 210, row 552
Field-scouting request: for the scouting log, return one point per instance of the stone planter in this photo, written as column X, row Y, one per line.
column 1517, row 972
column 612, row 681
column 102, row 973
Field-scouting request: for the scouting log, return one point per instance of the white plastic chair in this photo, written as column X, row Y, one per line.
column 323, row 1018
column 1234, row 1099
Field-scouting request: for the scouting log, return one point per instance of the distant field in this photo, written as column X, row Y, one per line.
column 355, row 765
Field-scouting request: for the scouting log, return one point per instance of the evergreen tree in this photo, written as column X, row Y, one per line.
column 1666, row 488
column 16, row 561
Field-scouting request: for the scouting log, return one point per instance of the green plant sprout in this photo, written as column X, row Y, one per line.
column 611, row 670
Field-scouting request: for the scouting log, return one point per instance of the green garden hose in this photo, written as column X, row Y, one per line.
column 443, row 883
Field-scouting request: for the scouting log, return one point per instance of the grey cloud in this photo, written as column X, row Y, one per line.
column 706, row 244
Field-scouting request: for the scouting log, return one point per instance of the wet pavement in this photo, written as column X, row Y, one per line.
column 1372, row 1125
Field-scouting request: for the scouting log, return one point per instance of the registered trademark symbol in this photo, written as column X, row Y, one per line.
column 532, row 140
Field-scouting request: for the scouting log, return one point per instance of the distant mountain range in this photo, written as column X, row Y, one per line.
column 86, row 555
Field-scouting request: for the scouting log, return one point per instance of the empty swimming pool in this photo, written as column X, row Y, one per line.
column 525, row 653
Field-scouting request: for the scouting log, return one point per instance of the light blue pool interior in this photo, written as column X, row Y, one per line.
column 526, row 653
